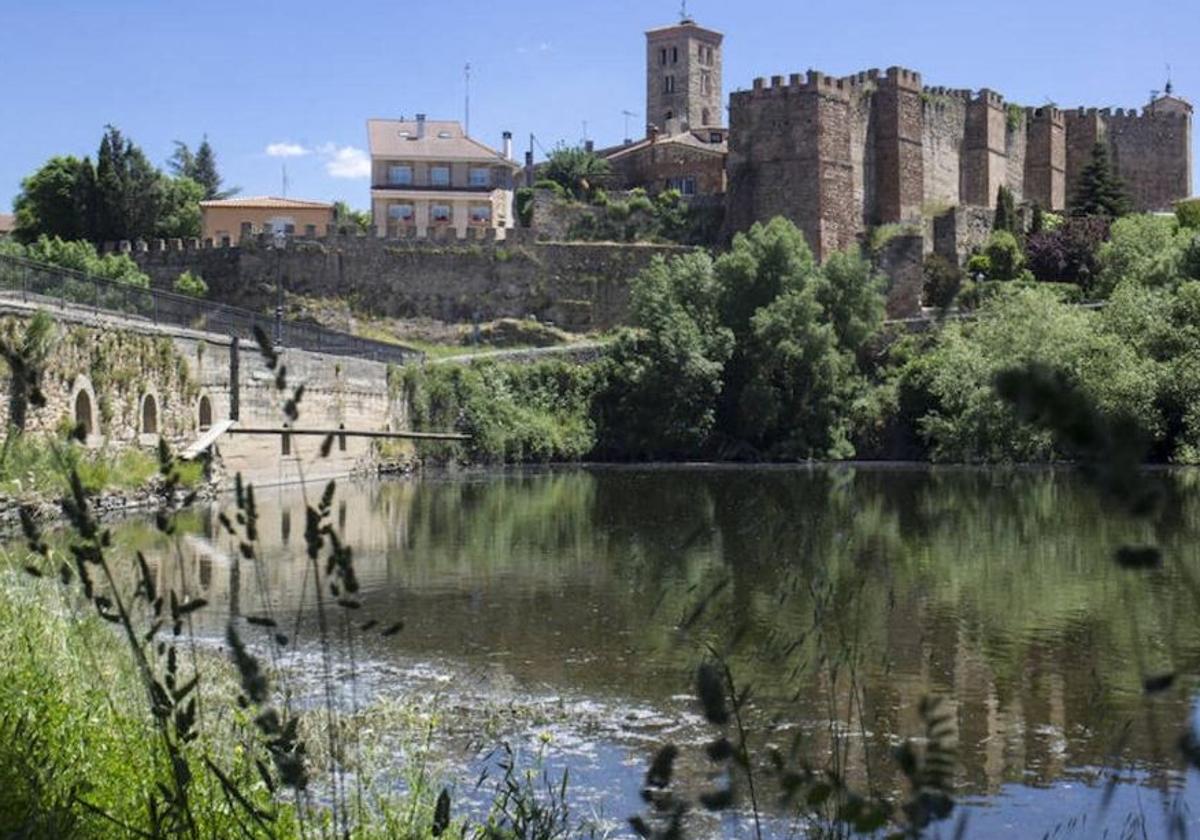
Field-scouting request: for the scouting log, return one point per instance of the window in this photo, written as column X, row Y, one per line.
column 481, row 177
column 289, row 229
column 668, row 84
column 310, row 230
column 205, row 411
column 674, row 55
column 439, row 176
column 715, row 137
column 705, row 82
column 481, row 214
column 400, row 175
column 440, row 213
column 400, row 212
column 663, row 54
column 686, row 186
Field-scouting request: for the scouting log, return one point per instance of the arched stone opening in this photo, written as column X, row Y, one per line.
column 149, row 420
column 83, row 409
column 204, row 413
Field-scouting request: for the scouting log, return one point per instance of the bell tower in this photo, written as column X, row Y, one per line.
column 683, row 77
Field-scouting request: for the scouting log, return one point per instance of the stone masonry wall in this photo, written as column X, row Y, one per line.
column 580, row 286
column 105, row 368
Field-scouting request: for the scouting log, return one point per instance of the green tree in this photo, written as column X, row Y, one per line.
column 662, row 379
column 25, row 351
column 1145, row 249
column 350, row 220
column 129, row 190
column 1100, row 191
column 57, row 201
column 179, row 216
column 201, row 167
column 575, row 169
column 81, row 256
column 1006, row 213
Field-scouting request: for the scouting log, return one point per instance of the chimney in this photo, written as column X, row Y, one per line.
column 507, row 145
column 652, row 133
column 420, row 126
column 589, row 146
column 529, row 169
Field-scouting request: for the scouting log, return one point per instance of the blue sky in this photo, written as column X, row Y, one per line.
column 303, row 76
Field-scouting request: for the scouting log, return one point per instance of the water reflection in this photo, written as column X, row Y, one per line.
column 994, row 589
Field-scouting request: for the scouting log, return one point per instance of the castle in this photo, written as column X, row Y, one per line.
column 838, row 155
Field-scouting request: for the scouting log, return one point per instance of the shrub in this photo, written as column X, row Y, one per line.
column 1145, row 249
column 552, row 186
column 1068, row 253
column 524, row 205
column 1188, row 213
column 190, row 284
column 943, row 279
column 1005, row 259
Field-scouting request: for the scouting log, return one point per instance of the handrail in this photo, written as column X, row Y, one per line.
column 67, row 285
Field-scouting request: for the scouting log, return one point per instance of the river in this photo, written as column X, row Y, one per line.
column 558, row 611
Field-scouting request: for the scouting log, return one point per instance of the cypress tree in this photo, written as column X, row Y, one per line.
column 1100, row 191
column 1006, row 213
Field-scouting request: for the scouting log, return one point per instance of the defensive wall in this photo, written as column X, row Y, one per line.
column 129, row 381
column 841, row 155
column 578, row 285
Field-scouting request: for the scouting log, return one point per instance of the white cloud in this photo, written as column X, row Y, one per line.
column 286, row 150
column 346, row 161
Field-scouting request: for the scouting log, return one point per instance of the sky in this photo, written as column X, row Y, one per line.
column 292, row 84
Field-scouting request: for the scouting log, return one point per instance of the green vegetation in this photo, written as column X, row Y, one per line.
column 38, row 465
column 200, row 167
column 664, row 218
column 1006, row 218
column 349, row 220
column 531, row 413
column 576, row 170
column 79, row 256
column 122, row 196
column 190, row 284
column 1100, row 192
column 1188, row 213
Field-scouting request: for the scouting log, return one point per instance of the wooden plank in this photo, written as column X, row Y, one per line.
column 241, row 430
column 207, row 439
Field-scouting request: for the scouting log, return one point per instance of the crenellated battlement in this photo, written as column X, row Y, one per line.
column 813, row 81
column 990, row 97
column 1046, row 113
column 902, row 77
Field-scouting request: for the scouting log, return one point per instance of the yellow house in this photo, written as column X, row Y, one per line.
column 428, row 175
column 231, row 218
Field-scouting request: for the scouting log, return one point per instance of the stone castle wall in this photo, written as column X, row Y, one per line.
column 839, row 156
column 580, row 286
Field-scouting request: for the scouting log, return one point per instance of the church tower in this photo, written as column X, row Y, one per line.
column 683, row 77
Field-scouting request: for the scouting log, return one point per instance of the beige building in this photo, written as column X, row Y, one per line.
column 7, row 224
column 232, row 218
column 427, row 175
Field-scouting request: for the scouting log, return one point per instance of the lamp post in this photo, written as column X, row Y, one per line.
column 279, row 240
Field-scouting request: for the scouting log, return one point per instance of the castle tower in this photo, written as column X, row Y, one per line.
column 683, row 77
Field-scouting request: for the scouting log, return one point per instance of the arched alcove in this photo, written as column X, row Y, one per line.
column 83, row 409
column 149, row 419
column 204, row 413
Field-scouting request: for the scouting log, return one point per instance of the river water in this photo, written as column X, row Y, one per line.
column 564, row 612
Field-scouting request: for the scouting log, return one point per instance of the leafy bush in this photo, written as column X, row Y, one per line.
column 1068, row 252
column 191, row 284
column 1188, row 213
column 524, row 205
column 1145, row 249
column 1004, row 256
column 943, row 279
column 79, row 256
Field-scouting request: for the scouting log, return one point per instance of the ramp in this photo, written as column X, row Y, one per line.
column 206, row 440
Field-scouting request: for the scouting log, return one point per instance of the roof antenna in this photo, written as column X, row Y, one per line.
column 684, row 17
column 467, row 121
column 285, row 181
column 1170, row 87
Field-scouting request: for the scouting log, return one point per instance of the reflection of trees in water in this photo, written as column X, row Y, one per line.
column 991, row 587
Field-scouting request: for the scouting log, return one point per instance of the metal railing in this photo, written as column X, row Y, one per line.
column 53, row 285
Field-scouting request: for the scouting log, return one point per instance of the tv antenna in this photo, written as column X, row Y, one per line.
column 683, row 12
column 467, row 108
column 285, row 181
column 1170, row 87
column 627, row 115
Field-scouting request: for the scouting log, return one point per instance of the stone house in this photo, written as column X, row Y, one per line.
column 692, row 162
column 428, row 178
column 228, row 220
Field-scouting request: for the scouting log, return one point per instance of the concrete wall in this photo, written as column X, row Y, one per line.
column 580, row 286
